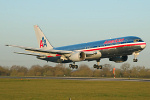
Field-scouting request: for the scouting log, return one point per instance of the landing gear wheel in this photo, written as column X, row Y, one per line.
column 100, row 67
column 135, row 60
column 70, row 65
column 76, row 66
column 135, row 56
column 73, row 66
column 97, row 66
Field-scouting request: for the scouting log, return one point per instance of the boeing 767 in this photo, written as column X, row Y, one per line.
column 116, row 49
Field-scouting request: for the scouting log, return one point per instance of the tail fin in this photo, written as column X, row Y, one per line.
column 42, row 40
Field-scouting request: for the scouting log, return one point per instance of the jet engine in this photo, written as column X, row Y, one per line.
column 77, row 56
column 119, row 59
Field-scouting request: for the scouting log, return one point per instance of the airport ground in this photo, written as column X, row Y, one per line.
column 63, row 88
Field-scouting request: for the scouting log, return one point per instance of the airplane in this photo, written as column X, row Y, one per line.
column 116, row 49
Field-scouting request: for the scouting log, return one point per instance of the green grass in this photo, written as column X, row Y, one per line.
column 50, row 89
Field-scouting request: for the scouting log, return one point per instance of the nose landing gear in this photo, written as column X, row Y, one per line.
column 135, row 60
column 135, row 57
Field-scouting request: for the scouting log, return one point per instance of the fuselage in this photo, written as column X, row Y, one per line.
column 108, row 48
column 116, row 49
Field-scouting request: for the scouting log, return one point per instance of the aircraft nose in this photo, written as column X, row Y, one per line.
column 143, row 46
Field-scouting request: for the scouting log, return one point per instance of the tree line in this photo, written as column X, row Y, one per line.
column 126, row 70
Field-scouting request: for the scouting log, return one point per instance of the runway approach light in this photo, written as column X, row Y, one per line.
column 114, row 72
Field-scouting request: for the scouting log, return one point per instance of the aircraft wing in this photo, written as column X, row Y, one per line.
column 37, row 50
column 38, row 55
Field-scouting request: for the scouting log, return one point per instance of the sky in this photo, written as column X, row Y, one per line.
column 66, row 22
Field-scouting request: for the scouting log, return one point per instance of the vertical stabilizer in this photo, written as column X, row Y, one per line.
column 42, row 40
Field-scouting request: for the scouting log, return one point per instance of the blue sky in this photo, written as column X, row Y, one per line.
column 66, row 22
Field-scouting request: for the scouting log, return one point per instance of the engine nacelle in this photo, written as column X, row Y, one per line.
column 119, row 59
column 77, row 56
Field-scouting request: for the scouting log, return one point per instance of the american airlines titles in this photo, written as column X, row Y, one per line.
column 114, row 41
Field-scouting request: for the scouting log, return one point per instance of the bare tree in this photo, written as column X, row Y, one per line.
column 96, row 73
column 48, row 70
column 107, row 70
column 4, row 71
column 125, row 69
column 83, row 71
column 35, row 70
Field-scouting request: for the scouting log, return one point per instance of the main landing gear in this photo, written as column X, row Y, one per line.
column 98, row 66
column 73, row 66
column 135, row 60
column 135, row 57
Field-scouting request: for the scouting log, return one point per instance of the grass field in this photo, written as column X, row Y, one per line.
column 54, row 89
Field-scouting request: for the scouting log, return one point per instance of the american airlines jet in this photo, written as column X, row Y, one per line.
column 116, row 50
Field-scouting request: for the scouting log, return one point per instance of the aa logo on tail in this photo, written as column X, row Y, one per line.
column 43, row 43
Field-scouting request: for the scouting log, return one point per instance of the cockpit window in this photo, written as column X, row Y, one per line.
column 137, row 40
